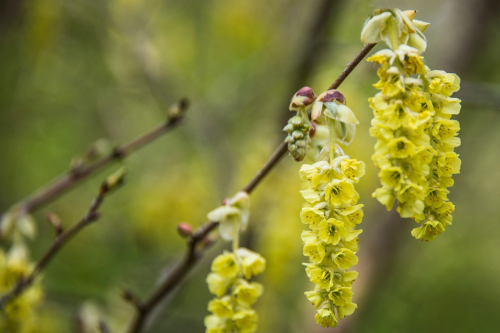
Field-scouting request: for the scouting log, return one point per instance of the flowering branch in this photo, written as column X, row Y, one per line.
column 62, row 237
column 66, row 181
column 197, row 242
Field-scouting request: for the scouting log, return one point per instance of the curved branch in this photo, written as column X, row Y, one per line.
column 62, row 237
column 195, row 241
column 68, row 180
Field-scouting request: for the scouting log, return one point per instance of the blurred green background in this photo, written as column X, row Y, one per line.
column 76, row 71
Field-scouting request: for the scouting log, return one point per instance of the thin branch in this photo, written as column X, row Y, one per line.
column 275, row 158
column 61, row 239
column 68, row 180
column 192, row 255
column 350, row 67
column 195, row 241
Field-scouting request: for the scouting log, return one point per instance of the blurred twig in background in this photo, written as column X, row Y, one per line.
column 65, row 182
column 62, row 237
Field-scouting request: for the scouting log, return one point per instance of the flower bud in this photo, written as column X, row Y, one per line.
column 312, row 131
column 298, row 129
column 329, row 96
column 184, row 229
column 297, row 135
column 296, row 121
column 55, row 221
column 288, row 128
column 410, row 14
column 302, row 98
column 176, row 110
column 113, row 181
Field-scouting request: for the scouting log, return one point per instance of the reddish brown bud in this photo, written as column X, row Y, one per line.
column 304, row 97
column 312, row 131
column 332, row 95
column 184, row 229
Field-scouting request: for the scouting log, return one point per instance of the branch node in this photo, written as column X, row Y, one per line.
column 55, row 221
column 130, row 297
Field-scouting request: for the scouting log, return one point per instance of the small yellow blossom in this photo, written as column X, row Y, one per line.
column 340, row 192
column 326, row 318
column 331, row 231
column 225, row 265
column 252, row 263
column 221, row 307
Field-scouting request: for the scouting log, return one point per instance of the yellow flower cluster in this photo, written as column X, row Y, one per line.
column 332, row 213
column 331, row 243
column 18, row 314
column 415, row 135
column 231, row 309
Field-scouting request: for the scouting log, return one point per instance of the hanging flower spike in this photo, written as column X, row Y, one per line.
column 17, row 315
column 332, row 212
column 230, row 271
column 412, row 125
column 298, row 127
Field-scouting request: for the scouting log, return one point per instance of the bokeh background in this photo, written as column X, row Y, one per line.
column 76, row 71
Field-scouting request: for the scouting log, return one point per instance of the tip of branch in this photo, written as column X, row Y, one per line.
column 178, row 109
column 55, row 221
column 113, row 181
column 131, row 298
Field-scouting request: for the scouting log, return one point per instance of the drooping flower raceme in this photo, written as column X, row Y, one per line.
column 18, row 315
column 415, row 135
column 230, row 273
column 332, row 213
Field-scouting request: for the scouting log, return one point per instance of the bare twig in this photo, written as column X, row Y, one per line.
column 350, row 67
column 66, row 181
column 194, row 250
column 61, row 239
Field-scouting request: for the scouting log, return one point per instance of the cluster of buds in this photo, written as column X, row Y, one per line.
column 298, row 126
column 332, row 212
column 415, row 135
column 18, row 314
column 229, row 280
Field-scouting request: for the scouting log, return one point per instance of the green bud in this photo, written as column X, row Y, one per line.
column 288, row 128
column 297, row 135
column 113, row 181
column 296, row 121
column 26, row 225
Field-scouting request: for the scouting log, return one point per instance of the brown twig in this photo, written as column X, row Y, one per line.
column 61, row 239
column 194, row 251
column 350, row 67
column 66, row 181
